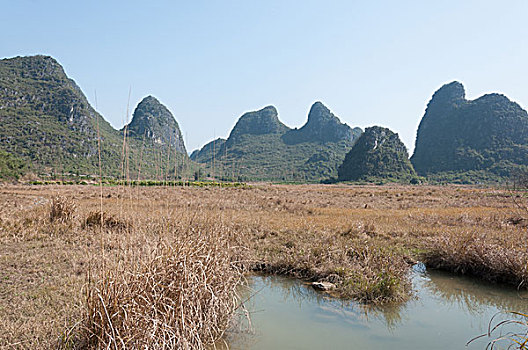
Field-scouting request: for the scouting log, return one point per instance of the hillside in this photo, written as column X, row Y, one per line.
column 263, row 122
column 46, row 121
column 207, row 150
column 322, row 126
column 11, row 167
column 462, row 140
column 155, row 132
column 261, row 147
column 154, row 121
column 378, row 154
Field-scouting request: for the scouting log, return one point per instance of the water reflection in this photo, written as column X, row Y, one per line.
column 474, row 295
column 330, row 308
column 446, row 312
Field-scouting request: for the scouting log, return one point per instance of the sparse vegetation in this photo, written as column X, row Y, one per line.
column 61, row 209
column 511, row 331
column 148, row 183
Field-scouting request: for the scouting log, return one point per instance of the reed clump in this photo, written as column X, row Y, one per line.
column 511, row 331
column 473, row 254
column 170, row 286
column 104, row 220
column 62, row 209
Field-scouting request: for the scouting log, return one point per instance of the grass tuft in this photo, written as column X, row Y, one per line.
column 108, row 221
column 62, row 209
column 471, row 253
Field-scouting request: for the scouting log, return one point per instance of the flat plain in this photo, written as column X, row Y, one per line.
column 73, row 278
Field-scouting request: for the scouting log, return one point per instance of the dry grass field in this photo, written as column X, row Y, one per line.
column 160, row 267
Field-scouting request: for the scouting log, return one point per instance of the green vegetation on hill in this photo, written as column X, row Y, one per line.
column 11, row 167
column 260, row 147
column 378, row 154
column 154, row 121
column 46, row 120
column 48, row 127
column 263, row 122
column 157, row 141
column 322, row 126
column 464, row 140
column 203, row 154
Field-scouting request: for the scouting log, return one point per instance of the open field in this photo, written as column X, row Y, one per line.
column 161, row 266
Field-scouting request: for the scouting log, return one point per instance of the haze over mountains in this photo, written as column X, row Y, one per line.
column 47, row 126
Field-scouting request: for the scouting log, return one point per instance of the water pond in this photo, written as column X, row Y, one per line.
column 446, row 312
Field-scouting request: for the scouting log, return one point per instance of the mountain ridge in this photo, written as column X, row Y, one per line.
column 153, row 120
column 58, row 131
column 263, row 121
column 57, row 128
column 488, row 135
column 260, row 139
column 377, row 154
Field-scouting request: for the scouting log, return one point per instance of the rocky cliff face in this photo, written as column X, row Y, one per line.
column 377, row 154
column 153, row 121
column 39, row 84
column 47, row 122
column 489, row 134
column 264, row 121
column 322, row 126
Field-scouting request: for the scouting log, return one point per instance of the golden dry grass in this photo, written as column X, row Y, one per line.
column 172, row 287
column 163, row 267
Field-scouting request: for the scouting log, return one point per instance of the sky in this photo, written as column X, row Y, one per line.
column 370, row 62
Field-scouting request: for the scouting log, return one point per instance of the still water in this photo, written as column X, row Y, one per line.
column 446, row 312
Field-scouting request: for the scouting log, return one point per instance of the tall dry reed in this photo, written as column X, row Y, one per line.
column 168, row 286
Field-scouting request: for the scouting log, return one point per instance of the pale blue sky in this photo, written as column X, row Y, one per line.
column 370, row 62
